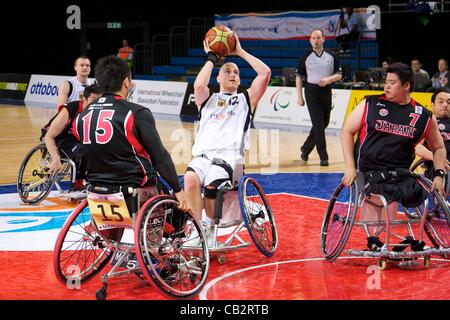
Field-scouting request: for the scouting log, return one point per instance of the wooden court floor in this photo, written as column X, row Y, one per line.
column 272, row 150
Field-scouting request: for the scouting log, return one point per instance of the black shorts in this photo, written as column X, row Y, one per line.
column 395, row 185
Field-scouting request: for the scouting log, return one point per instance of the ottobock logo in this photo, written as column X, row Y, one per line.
column 280, row 99
column 44, row 89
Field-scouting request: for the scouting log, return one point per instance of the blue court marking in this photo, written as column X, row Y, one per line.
column 317, row 185
column 57, row 219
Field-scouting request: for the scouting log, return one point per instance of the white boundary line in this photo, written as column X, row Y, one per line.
column 203, row 293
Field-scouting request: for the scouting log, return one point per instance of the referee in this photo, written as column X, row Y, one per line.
column 318, row 69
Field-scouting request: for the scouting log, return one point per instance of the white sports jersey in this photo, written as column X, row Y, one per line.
column 224, row 123
column 77, row 89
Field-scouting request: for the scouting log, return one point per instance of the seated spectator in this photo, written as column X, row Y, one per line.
column 387, row 62
column 421, row 77
column 440, row 78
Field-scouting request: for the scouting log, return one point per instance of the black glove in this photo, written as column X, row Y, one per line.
column 213, row 57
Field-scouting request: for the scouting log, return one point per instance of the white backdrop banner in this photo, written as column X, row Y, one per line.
column 160, row 96
column 289, row 25
column 279, row 105
column 43, row 89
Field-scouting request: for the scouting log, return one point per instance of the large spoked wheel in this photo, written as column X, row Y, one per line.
column 338, row 220
column 258, row 216
column 34, row 182
column 419, row 167
column 437, row 226
column 80, row 251
column 171, row 248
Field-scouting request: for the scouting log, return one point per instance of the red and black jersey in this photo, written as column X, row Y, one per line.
column 73, row 108
column 389, row 133
column 121, row 145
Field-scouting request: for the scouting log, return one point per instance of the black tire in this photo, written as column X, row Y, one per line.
column 419, row 168
column 338, row 221
column 34, row 182
column 258, row 216
column 79, row 252
column 174, row 268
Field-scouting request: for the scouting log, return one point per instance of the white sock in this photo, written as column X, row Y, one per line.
column 208, row 222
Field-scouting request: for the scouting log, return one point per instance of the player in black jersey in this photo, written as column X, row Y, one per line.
column 121, row 145
column 58, row 135
column 388, row 127
column 440, row 102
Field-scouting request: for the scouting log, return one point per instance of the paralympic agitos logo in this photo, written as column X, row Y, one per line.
column 280, row 99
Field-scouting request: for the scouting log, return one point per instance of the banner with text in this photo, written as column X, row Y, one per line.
column 160, row 96
column 279, row 105
column 43, row 90
column 292, row 24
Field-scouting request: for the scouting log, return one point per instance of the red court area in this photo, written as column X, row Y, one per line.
column 296, row 271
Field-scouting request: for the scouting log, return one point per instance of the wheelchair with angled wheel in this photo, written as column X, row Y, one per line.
column 34, row 181
column 242, row 203
column 95, row 234
column 346, row 204
column 438, row 226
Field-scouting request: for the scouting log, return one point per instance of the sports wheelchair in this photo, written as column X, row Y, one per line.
column 34, row 182
column 345, row 204
column 93, row 236
column 439, row 223
column 241, row 202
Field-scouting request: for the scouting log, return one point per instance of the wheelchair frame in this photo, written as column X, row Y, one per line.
column 220, row 247
column 121, row 252
column 69, row 170
column 356, row 200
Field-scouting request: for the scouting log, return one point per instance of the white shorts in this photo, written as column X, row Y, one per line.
column 208, row 172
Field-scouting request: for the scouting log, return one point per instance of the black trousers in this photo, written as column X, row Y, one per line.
column 344, row 41
column 318, row 100
column 71, row 148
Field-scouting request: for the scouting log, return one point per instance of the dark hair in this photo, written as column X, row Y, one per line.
column 403, row 72
column 389, row 60
column 93, row 88
column 441, row 89
column 80, row 57
column 416, row 59
column 110, row 72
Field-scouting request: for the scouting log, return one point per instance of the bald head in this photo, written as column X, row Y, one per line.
column 228, row 77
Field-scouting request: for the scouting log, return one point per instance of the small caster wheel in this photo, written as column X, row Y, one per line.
column 382, row 264
column 426, row 261
column 221, row 259
column 101, row 294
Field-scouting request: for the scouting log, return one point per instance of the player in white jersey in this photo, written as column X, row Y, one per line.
column 72, row 89
column 222, row 136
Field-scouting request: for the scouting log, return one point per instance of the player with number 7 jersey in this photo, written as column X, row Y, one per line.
column 121, row 145
column 388, row 128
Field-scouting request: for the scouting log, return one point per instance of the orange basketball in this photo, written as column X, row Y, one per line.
column 221, row 40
